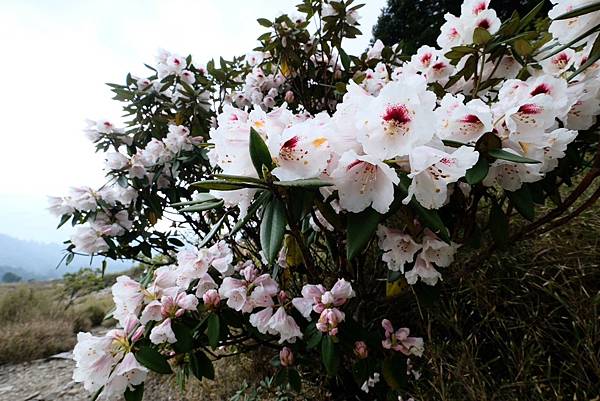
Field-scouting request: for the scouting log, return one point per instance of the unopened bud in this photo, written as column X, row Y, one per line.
column 360, row 350
column 286, row 357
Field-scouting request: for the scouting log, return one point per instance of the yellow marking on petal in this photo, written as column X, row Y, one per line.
column 524, row 146
column 259, row 124
column 319, row 141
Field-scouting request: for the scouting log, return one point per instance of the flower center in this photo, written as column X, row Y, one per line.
column 396, row 119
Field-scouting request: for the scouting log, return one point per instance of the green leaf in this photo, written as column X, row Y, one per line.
column 200, row 198
column 523, row 201
column 239, row 179
column 213, row 330
column 580, row 11
column 183, row 334
column 454, row 144
column 259, row 153
column 345, row 59
column 498, row 225
column 329, row 355
column 478, row 172
column 481, row 36
column 511, row 157
column 203, row 206
column 262, row 198
column 592, row 58
column 212, row 232
column 202, row 366
column 305, row 182
column 153, row 360
column 361, row 227
column 272, row 228
column 265, row 22
column 531, row 15
column 394, row 372
column 294, row 380
column 312, row 336
column 136, row 394
column 522, row 47
column 64, row 218
column 223, row 185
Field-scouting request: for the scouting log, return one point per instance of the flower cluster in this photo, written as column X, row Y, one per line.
column 298, row 163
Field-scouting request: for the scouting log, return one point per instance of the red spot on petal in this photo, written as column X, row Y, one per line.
column 542, row 89
column 479, row 7
column 354, row 164
column 291, row 143
column 439, row 66
column 471, row 119
column 426, row 58
column 484, row 23
column 398, row 114
column 530, row 109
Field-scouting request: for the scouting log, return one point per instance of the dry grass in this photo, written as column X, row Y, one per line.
column 524, row 327
column 35, row 322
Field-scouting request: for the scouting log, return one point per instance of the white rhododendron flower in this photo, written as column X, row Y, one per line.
column 399, row 248
column 432, row 170
column 461, row 122
column 398, row 120
column 568, row 30
column 364, row 181
column 303, row 151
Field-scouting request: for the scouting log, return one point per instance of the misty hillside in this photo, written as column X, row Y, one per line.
column 37, row 260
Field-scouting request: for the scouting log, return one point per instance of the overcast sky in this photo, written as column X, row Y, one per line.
column 58, row 54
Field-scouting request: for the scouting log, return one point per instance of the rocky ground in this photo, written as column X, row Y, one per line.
column 43, row 379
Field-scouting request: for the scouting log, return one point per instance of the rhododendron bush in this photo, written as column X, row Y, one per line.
column 286, row 199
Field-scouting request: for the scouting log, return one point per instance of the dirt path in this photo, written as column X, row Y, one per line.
column 44, row 379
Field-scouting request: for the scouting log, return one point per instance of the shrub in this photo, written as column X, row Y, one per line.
column 316, row 200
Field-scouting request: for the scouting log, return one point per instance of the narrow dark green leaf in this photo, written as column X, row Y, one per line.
column 523, row 201
column 213, row 330
column 511, row 157
column 153, row 360
column 64, row 218
column 305, row 182
column 345, row 59
column 478, row 172
column 214, row 229
column 259, row 153
column 361, row 228
column 580, row 11
column 394, row 372
column 498, row 225
column 136, row 394
column 239, row 179
column 272, row 229
column 294, row 380
column 526, row 20
column 200, row 198
column 262, row 198
column 202, row 366
column 183, row 334
column 329, row 355
column 454, row 144
column 592, row 58
column 222, row 185
column 203, row 206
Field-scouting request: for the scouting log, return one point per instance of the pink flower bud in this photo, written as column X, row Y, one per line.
column 282, row 296
column 360, row 350
column 286, row 357
column 138, row 334
column 211, row 299
column 289, row 97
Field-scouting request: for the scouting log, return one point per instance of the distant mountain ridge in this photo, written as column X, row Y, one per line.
column 37, row 260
